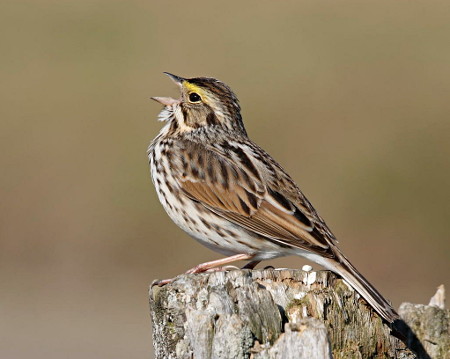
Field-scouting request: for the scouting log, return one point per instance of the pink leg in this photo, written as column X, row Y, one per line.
column 208, row 265
column 162, row 282
column 219, row 262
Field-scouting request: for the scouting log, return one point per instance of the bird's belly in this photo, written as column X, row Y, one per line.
column 206, row 227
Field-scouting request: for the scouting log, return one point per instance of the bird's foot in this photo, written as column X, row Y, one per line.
column 218, row 263
column 222, row 269
column 161, row 282
column 199, row 269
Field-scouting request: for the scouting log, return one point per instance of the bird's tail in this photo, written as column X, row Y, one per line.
column 342, row 266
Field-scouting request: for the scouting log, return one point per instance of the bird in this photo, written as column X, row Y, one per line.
column 230, row 195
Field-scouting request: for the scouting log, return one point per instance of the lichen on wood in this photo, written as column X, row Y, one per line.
column 267, row 314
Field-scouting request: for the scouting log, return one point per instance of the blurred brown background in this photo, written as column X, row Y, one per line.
column 353, row 98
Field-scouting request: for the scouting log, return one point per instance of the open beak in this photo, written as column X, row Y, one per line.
column 166, row 101
column 177, row 79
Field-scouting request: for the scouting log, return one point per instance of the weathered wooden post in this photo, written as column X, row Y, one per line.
column 267, row 314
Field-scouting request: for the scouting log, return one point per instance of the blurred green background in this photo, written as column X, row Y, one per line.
column 351, row 97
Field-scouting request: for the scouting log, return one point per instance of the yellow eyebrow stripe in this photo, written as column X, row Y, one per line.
column 194, row 88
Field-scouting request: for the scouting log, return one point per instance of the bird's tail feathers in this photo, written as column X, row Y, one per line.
column 342, row 266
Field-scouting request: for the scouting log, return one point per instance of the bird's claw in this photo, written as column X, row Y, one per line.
column 161, row 282
column 210, row 270
column 222, row 269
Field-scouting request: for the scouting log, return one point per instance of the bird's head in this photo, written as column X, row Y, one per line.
column 204, row 102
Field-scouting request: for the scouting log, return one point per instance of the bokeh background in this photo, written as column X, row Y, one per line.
column 351, row 97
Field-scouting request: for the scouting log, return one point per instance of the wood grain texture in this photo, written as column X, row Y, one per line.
column 268, row 314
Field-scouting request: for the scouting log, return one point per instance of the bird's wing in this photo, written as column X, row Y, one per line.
column 232, row 184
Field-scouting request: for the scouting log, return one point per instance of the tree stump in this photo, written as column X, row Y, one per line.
column 268, row 314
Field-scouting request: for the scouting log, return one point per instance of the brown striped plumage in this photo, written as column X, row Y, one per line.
column 230, row 195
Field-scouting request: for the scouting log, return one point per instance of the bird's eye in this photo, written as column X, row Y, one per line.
column 194, row 97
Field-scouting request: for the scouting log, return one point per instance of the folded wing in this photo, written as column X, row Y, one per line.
column 240, row 194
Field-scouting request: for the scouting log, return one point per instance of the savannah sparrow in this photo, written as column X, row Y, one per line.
column 232, row 196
